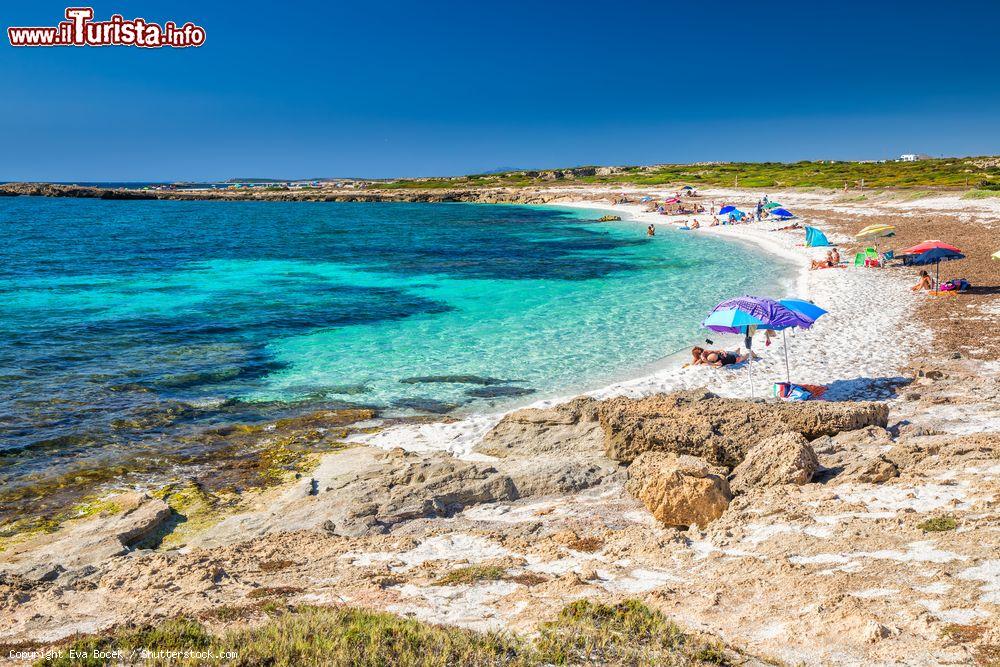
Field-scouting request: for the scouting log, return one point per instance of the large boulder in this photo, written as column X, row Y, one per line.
column 721, row 430
column 781, row 459
column 679, row 490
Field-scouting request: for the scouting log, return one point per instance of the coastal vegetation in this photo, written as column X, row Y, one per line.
column 585, row 632
column 982, row 173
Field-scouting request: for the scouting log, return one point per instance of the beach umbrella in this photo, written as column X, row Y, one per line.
column 737, row 213
column 687, row 187
column 928, row 245
column 726, row 209
column 672, row 200
column 808, row 310
column 875, row 231
column 782, row 213
column 772, row 204
column 747, row 313
column 935, row 256
column 645, row 199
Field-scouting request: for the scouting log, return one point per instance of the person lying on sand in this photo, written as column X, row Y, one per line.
column 925, row 283
column 719, row 358
column 697, row 357
column 826, row 263
column 794, row 225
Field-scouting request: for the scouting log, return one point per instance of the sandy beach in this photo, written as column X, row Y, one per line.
column 886, row 553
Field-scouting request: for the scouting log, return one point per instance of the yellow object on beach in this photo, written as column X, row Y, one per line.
column 875, row 231
column 996, row 255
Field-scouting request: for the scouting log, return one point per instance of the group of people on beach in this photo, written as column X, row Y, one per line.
column 831, row 260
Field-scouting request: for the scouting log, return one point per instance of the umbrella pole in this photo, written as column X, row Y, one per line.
column 784, row 341
column 749, row 360
column 937, row 276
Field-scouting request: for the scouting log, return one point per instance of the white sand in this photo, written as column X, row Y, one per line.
column 856, row 349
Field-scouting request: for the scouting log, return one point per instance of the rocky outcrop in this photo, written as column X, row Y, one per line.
column 126, row 520
column 679, row 490
column 404, row 486
column 721, row 431
column 781, row 459
column 568, row 428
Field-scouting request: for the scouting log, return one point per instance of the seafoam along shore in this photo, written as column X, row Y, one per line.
column 856, row 349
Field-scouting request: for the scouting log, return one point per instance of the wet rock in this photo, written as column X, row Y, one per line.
column 679, row 490
column 721, row 431
column 781, row 459
column 499, row 392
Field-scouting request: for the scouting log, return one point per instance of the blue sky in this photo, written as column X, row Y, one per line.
column 305, row 89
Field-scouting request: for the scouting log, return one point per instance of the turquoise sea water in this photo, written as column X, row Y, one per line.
column 113, row 312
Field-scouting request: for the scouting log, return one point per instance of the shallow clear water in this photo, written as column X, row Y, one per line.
column 243, row 310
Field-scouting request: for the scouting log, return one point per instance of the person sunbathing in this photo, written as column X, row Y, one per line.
column 719, row 358
column 835, row 256
column 697, row 357
column 825, row 263
column 925, row 283
column 695, row 224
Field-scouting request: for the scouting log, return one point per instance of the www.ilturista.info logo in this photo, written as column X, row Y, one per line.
column 79, row 29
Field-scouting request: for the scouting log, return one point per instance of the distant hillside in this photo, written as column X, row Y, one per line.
column 979, row 172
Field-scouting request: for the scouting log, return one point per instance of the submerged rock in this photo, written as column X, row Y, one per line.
column 454, row 379
column 721, row 430
column 499, row 392
column 782, row 459
column 431, row 405
column 679, row 490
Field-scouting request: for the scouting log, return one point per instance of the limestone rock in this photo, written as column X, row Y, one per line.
column 721, row 430
column 568, row 428
column 411, row 486
column 85, row 542
column 781, row 459
column 679, row 490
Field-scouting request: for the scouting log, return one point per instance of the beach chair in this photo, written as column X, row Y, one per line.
column 871, row 258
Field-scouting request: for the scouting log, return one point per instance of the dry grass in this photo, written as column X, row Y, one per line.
column 584, row 633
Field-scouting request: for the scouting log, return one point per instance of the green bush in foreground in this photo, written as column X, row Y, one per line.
column 584, row 633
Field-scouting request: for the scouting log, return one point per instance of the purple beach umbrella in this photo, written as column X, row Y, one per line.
column 769, row 313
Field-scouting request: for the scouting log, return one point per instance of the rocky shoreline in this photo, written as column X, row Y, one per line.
column 842, row 532
column 471, row 195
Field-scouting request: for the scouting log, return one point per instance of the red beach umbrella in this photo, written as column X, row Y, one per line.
column 928, row 245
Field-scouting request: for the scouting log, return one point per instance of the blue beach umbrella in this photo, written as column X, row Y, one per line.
column 782, row 213
column 730, row 320
column 726, row 209
column 935, row 256
column 805, row 308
